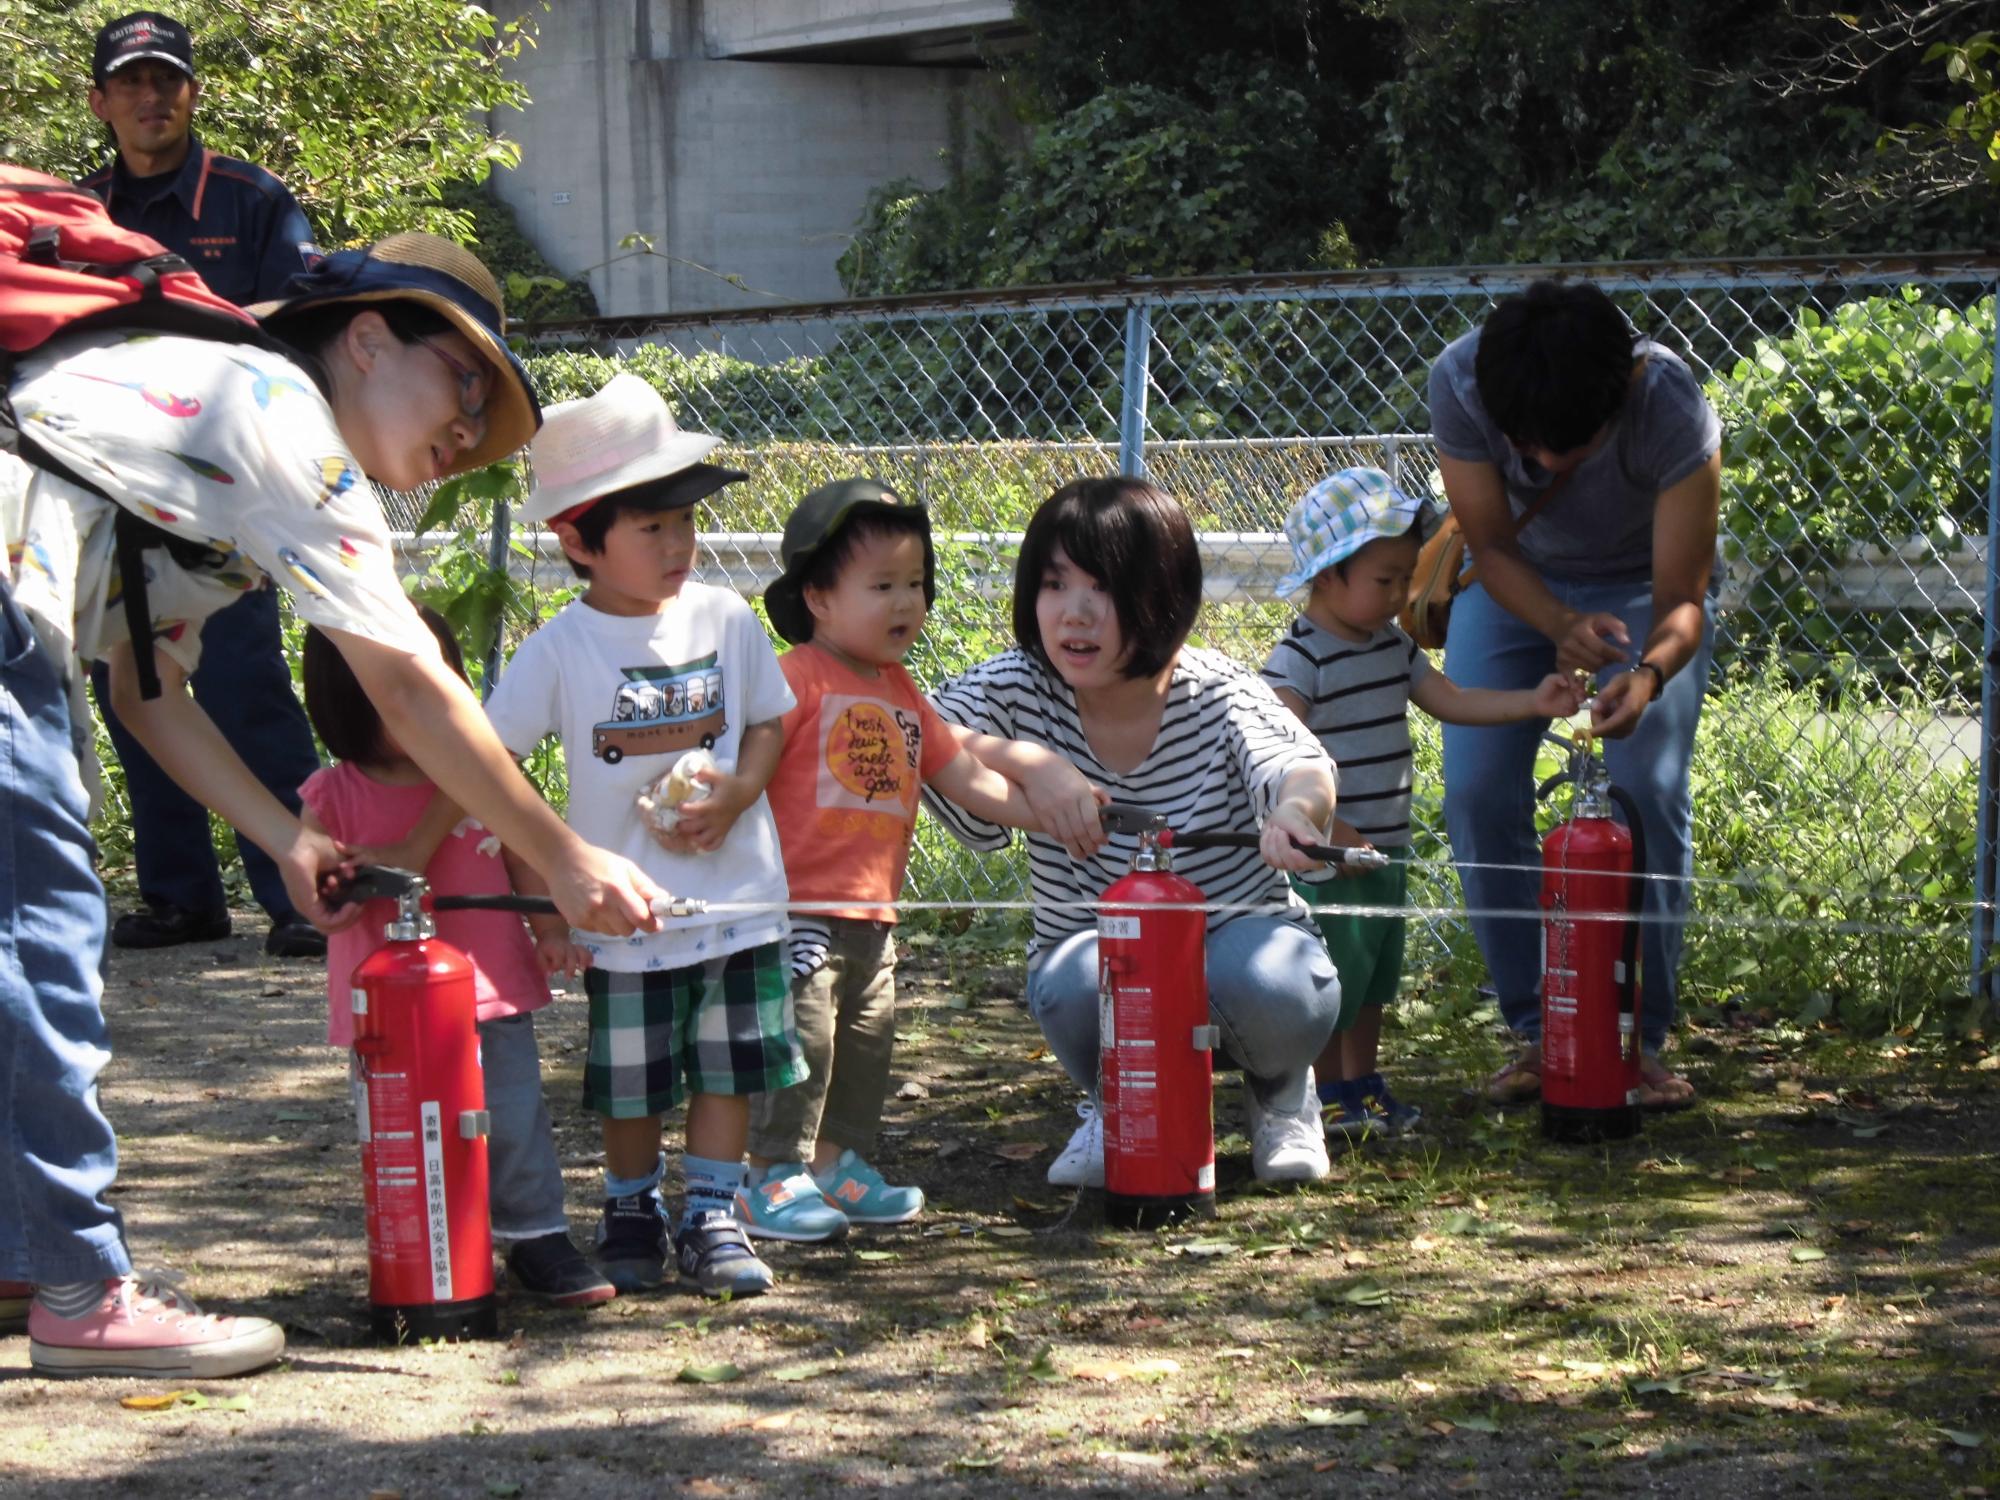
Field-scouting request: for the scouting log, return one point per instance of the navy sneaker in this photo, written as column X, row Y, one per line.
column 633, row 1243
column 716, row 1259
column 1365, row 1107
column 553, row 1270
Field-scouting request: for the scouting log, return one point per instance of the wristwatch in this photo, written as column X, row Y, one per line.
column 1659, row 677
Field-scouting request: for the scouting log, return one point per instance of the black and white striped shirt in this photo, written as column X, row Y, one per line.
column 1358, row 702
column 1225, row 742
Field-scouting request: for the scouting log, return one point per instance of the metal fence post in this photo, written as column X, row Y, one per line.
column 1132, row 405
column 1989, row 698
column 496, row 560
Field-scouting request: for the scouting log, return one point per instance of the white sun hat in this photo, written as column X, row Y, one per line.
column 622, row 437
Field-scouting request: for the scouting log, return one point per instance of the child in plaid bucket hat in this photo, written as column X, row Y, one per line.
column 1349, row 673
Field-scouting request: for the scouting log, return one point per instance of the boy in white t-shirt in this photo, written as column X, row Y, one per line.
column 644, row 666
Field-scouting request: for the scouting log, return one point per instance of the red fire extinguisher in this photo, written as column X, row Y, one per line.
column 423, row 1125
column 422, row 1113
column 1590, row 969
column 1156, row 1059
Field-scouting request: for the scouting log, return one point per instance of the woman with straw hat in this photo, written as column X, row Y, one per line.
column 247, row 464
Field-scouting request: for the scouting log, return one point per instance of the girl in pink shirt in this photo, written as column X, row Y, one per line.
column 372, row 798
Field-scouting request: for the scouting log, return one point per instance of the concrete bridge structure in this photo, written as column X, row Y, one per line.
column 740, row 137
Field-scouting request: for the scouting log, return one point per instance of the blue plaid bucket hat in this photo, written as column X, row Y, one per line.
column 1341, row 514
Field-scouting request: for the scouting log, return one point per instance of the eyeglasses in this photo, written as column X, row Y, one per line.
column 471, row 384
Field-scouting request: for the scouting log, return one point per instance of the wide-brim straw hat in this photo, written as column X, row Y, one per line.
column 622, row 437
column 450, row 280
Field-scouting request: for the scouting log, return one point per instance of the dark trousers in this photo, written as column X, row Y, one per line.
column 244, row 685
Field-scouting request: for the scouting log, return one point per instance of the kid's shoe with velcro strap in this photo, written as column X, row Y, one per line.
column 146, row 1325
column 552, row 1270
column 786, row 1204
column 716, row 1259
column 862, row 1195
column 632, row 1243
column 1364, row 1106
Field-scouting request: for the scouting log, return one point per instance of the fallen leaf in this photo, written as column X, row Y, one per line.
column 1479, row 1424
column 1440, row 1427
column 708, row 1374
column 1424, row 1242
column 1384, row 1468
column 1804, row 1253
column 976, row 1335
column 502, row 1489
column 1236, row 1354
column 1009, row 1232
column 1423, row 1387
column 1597, row 1440
column 976, row 1461
column 1137, row 1460
column 1030, row 1206
column 810, row 1371
column 1113, row 1370
column 1141, row 1324
column 876, row 1255
column 1365, row 1293
column 1326, row 1466
column 159, row 1402
column 1320, row 1416
column 701, row 1485
column 913, row 1090
column 1959, row 1439
column 1019, row 1150
column 1462, row 1222
column 1203, row 1249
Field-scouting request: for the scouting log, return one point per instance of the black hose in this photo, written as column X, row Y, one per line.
column 1636, row 903
column 531, row 906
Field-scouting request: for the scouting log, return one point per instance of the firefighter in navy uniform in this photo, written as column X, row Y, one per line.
column 242, row 230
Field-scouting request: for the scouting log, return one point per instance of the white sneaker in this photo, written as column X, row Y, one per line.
column 1082, row 1161
column 1288, row 1147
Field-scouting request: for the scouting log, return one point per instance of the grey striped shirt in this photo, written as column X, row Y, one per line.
column 1225, row 742
column 1358, row 702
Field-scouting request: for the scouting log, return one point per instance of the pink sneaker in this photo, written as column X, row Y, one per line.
column 146, row 1325
column 14, row 1298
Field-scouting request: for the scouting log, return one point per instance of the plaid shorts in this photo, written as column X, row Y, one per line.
column 719, row 1027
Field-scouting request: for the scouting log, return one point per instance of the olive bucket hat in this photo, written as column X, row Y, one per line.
column 451, row 281
column 816, row 520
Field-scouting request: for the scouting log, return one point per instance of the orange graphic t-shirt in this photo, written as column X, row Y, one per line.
column 845, row 794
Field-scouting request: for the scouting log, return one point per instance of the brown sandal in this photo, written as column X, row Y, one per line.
column 1665, row 1092
column 1520, row 1082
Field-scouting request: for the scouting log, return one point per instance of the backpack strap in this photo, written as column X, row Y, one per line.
column 130, row 541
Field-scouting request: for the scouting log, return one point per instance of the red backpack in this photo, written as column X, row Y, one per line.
column 65, row 266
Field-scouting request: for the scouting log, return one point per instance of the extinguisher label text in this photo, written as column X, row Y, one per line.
column 357, row 998
column 1118, row 927
column 439, row 1225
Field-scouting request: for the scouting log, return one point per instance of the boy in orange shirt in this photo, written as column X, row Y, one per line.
column 859, row 579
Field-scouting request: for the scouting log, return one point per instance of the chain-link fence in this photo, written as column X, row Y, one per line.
column 1842, row 781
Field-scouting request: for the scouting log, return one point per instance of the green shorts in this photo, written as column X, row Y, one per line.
column 720, row 1027
column 1367, row 950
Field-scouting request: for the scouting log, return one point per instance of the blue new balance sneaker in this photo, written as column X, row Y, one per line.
column 861, row 1194
column 786, row 1204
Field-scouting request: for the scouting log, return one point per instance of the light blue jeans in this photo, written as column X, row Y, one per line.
column 1272, row 991
column 521, row 1152
column 59, row 1154
column 1489, row 796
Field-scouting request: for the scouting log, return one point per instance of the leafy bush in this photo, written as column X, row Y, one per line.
column 1854, row 431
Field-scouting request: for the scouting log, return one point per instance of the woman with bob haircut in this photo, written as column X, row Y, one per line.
column 246, row 462
column 1106, row 591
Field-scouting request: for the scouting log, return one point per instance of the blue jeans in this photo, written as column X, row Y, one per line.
column 1489, row 796
column 245, row 686
column 59, row 1155
column 527, row 1184
column 1271, row 989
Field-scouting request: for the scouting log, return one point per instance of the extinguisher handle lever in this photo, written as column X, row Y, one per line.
column 1350, row 856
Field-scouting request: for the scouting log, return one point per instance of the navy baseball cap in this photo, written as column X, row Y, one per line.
column 145, row 34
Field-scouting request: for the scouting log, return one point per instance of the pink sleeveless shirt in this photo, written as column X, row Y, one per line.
column 356, row 809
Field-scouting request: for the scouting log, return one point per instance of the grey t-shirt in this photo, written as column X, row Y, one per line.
column 1358, row 703
column 1601, row 525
